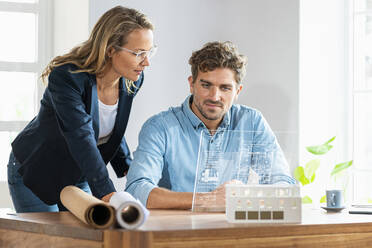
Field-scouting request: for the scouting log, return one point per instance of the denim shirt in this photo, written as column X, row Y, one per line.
column 167, row 153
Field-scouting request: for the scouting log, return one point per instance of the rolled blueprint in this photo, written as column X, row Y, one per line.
column 130, row 213
column 88, row 208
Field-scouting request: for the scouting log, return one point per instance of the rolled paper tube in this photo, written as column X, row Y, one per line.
column 88, row 208
column 130, row 213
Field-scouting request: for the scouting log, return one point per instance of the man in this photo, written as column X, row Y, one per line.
column 162, row 174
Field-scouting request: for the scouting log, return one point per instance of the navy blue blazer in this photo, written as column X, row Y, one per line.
column 59, row 146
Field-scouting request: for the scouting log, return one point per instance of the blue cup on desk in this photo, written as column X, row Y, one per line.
column 334, row 198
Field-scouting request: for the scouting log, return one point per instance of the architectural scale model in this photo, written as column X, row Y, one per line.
column 263, row 203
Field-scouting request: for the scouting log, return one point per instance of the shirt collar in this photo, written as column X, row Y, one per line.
column 196, row 122
column 226, row 120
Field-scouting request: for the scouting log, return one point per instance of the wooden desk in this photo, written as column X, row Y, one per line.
column 187, row 229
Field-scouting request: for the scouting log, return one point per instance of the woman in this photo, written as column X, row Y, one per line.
column 83, row 115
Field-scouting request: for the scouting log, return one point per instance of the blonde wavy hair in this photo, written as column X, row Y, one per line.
column 215, row 55
column 111, row 30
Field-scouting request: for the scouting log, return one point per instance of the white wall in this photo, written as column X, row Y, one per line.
column 267, row 31
column 324, row 94
column 323, row 72
column 70, row 22
column 5, row 200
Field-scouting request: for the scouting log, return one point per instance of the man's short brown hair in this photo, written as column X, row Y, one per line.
column 215, row 55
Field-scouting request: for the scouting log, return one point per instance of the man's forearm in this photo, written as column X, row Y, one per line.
column 166, row 199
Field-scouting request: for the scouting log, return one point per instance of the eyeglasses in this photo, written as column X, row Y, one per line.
column 142, row 55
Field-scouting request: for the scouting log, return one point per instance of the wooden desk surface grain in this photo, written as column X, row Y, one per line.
column 171, row 228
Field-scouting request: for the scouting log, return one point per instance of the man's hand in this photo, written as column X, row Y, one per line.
column 220, row 190
column 107, row 197
column 214, row 200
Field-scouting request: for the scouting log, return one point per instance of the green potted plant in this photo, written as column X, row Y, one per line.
column 307, row 174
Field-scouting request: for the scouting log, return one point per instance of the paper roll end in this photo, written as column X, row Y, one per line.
column 101, row 216
column 130, row 217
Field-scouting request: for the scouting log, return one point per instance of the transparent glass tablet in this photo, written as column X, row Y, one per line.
column 236, row 157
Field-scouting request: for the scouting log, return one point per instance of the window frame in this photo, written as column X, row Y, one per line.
column 43, row 8
column 44, row 48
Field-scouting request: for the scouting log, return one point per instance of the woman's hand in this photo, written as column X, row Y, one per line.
column 107, row 197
